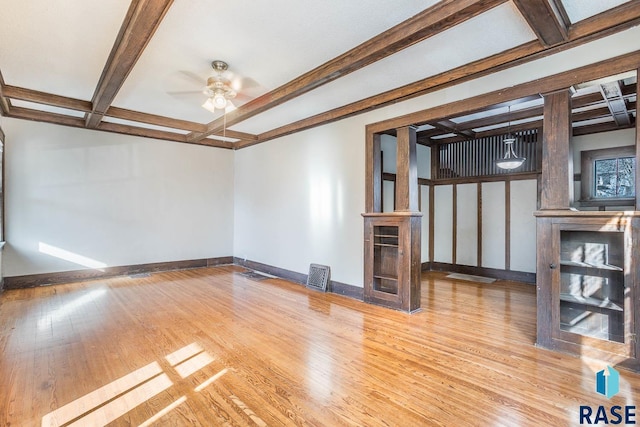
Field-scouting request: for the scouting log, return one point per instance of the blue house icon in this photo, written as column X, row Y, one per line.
column 608, row 382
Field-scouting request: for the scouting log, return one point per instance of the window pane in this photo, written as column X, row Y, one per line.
column 626, row 177
column 606, row 178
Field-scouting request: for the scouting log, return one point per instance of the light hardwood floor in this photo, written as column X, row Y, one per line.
column 211, row 347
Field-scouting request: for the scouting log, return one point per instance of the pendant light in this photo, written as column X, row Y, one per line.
column 510, row 160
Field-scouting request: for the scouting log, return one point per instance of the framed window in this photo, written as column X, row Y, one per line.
column 608, row 176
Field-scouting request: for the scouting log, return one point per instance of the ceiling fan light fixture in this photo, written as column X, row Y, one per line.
column 219, row 101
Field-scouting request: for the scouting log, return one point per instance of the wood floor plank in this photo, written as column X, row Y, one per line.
column 211, row 347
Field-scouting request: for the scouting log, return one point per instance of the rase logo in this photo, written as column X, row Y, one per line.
column 608, row 384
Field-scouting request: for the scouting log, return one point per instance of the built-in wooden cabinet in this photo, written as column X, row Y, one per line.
column 586, row 282
column 392, row 259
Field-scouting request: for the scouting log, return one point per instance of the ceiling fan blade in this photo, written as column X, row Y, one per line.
column 244, row 83
column 243, row 97
column 191, row 77
column 184, row 92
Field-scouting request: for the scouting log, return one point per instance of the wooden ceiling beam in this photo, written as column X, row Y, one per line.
column 440, row 17
column 4, row 102
column 158, row 134
column 616, row 103
column 545, row 19
column 559, row 81
column 152, row 119
column 36, row 96
column 30, row 95
column 607, row 23
column 140, row 23
column 45, row 117
column 537, row 124
column 522, row 114
column 448, row 126
column 78, row 122
column 600, row 127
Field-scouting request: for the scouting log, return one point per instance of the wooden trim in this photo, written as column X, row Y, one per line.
column 300, row 278
column 557, row 161
column 545, row 20
column 479, row 223
column 4, row 102
column 492, row 178
column 515, row 276
column 30, row 95
column 152, row 119
column 432, row 221
column 33, row 280
column 431, row 21
column 46, row 117
column 501, row 97
column 507, row 225
column 140, row 23
column 602, row 204
column 454, row 223
column 39, row 97
column 406, row 191
column 373, row 173
column 61, row 119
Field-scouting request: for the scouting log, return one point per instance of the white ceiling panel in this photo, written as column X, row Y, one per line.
column 269, row 42
column 474, row 39
column 58, row 47
column 577, row 10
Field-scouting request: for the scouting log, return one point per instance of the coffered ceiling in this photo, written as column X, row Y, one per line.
column 138, row 67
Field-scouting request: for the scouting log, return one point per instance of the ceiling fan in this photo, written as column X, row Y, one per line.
column 223, row 86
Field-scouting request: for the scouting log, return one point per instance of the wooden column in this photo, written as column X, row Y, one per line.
column 557, row 159
column 637, row 144
column 406, row 170
column 373, row 172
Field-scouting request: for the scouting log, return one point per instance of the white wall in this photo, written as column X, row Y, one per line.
column 443, row 224
column 299, row 200
column 76, row 197
column 467, row 224
column 493, row 225
column 523, row 203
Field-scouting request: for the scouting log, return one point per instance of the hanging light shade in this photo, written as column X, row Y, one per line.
column 510, row 159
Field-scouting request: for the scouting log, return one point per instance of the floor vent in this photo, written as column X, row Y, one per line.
column 139, row 275
column 318, row 277
column 254, row 275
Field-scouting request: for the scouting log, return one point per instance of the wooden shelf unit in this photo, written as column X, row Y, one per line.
column 392, row 260
column 586, row 281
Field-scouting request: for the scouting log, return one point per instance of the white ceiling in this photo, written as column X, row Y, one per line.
column 61, row 47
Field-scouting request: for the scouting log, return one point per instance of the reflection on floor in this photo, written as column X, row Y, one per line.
column 211, row 347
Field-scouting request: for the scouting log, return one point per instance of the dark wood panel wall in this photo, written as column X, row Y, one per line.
column 637, row 145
